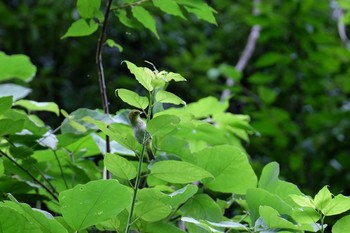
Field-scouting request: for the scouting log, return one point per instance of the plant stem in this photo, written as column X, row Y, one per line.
column 139, row 169
column 101, row 75
column 30, row 174
column 61, row 170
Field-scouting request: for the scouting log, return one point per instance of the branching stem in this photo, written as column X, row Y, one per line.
column 30, row 175
column 101, row 75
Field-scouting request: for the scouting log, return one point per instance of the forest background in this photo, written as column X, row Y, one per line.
column 295, row 86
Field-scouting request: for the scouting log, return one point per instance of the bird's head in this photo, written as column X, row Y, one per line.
column 134, row 115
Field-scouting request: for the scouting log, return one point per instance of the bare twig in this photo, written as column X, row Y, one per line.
column 30, row 175
column 101, row 75
column 247, row 52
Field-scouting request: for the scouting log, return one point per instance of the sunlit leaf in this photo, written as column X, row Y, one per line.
column 145, row 18
column 81, row 28
column 133, row 98
column 16, row 66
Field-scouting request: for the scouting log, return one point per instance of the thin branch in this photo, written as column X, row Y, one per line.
column 61, row 170
column 30, row 174
column 101, row 75
column 247, row 52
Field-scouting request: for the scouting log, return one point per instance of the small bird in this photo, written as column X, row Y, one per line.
column 139, row 129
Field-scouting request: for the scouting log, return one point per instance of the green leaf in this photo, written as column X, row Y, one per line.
column 41, row 218
column 81, row 28
column 168, row 97
column 169, row 6
column 337, row 205
column 119, row 132
column 119, row 166
column 174, row 76
column 124, row 19
column 206, row 107
column 5, row 104
column 8, row 126
column 152, row 210
column 94, row 202
column 145, row 18
column 306, row 215
column 230, row 167
column 132, row 98
column 162, row 125
column 303, row 201
column 323, row 198
column 88, row 8
column 178, row 172
column 257, row 197
column 180, row 196
column 16, row 91
column 203, row 207
column 161, row 227
column 269, row 181
column 342, row 225
column 38, row 106
column 11, row 221
column 273, row 219
column 200, row 9
column 143, row 75
column 16, row 66
column 111, row 43
column 267, row 95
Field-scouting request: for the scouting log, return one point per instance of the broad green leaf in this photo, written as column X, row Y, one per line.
column 152, row 210
column 168, row 97
column 323, row 198
column 124, row 19
column 178, row 172
column 5, row 104
column 230, row 167
column 257, row 197
column 200, row 226
column 206, row 107
column 43, row 219
column 111, row 43
column 269, row 181
column 11, row 221
column 306, row 215
column 342, row 225
column 16, row 91
column 273, row 219
column 49, row 140
column 182, row 195
column 142, row 75
column 116, row 148
column 38, row 106
column 174, row 76
column 119, row 166
column 162, row 125
column 161, row 227
column 81, row 28
column 94, row 202
column 16, row 66
column 145, row 18
column 121, row 133
column 201, row 207
column 267, row 95
column 8, row 126
column 303, row 201
column 132, row 98
column 200, row 9
column 88, row 8
column 169, row 6
column 337, row 205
